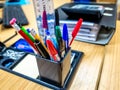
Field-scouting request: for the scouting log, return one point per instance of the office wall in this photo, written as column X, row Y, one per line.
column 58, row 3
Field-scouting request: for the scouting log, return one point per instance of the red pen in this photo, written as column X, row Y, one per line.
column 76, row 29
column 52, row 50
column 14, row 25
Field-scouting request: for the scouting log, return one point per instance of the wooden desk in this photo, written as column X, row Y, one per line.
column 110, row 76
column 87, row 75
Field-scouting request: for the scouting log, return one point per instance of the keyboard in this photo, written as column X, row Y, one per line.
column 13, row 11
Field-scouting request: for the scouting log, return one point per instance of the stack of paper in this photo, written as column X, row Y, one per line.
column 88, row 31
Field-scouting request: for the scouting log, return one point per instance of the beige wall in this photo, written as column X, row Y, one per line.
column 58, row 3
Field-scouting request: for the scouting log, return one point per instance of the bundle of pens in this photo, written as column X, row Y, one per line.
column 51, row 48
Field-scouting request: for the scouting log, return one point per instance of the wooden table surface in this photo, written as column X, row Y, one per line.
column 99, row 68
column 110, row 75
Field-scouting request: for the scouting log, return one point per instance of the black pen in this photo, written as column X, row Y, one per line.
column 41, row 49
column 59, row 35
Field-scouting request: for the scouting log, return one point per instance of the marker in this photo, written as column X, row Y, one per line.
column 14, row 25
column 65, row 36
column 60, row 41
column 41, row 49
column 57, row 27
column 76, row 29
column 52, row 50
column 59, row 35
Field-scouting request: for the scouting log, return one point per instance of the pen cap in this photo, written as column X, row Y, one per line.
column 77, row 27
column 52, row 50
column 65, row 32
column 58, row 33
column 56, row 18
column 44, row 20
column 14, row 25
column 47, row 32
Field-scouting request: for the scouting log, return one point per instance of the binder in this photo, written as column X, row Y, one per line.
column 107, row 22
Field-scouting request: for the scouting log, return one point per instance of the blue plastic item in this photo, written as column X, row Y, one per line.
column 83, row 1
column 23, row 45
column 20, row 2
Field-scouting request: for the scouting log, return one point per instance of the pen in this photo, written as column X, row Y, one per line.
column 76, row 29
column 59, row 35
column 35, row 35
column 44, row 22
column 52, row 50
column 57, row 28
column 14, row 25
column 60, row 41
column 26, row 32
column 41, row 49
column 65, row 36
column 48, row 37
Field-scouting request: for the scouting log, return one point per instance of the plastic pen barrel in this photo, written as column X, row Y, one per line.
column 41, row 49
column 14, row 25
column 35, row 35
column 53, row 51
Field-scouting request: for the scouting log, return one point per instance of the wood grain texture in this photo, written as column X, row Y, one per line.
column 110, row 77
column 88, row 72
column 9, row 81
column 107, row 1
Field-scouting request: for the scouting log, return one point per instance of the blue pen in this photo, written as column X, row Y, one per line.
column 65, row 36
column 52, row 39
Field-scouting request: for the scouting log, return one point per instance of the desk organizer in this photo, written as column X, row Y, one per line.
column 10, row 57
column 76, row 57
column 54, row 71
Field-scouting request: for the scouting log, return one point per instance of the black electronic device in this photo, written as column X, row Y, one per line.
column 1, row 5
column 85, row 11
column 14, row 11
column 13, row 0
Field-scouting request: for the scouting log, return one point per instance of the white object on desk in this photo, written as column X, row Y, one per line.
column 28, row 67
